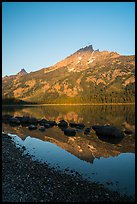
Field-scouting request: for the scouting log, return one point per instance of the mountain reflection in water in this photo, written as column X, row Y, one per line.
column 104, row 160
column 85, row 147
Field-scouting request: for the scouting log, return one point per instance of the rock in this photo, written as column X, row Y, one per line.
column 128, row 132
column 79, row 130
column 87, row 131
column 42, row 128
column 32, row 127
column 6, row 118
column 19, row 118
column 70, row 132
column 33, row 120
column 51, row 123
column 47, row 126
column 47, row 122
column 14, row 120
column 80, row 126
column 61, row 121
column 107, row 131
column 42, row 121
column 25, row 119
column 77, row 125
column 73, row 125
column 63, row 124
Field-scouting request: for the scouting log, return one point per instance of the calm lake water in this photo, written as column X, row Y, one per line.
column 110, row 162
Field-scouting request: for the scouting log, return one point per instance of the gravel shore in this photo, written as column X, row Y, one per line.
column 25, row 180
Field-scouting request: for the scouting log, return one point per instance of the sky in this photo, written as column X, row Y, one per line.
column 36, row 35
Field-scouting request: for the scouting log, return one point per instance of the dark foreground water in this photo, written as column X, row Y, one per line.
column 109, row 162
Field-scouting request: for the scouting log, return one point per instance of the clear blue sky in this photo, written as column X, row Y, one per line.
column 39, row 34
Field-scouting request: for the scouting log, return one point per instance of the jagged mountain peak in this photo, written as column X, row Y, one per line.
column 81, row 55
column 86, row 76
column 22, row 72
column 87, row 48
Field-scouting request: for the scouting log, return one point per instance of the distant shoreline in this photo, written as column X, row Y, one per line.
column 84, row 104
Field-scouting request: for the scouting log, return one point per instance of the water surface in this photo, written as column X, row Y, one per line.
column 109, row 162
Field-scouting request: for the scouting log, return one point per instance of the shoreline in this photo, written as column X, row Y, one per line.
column 25, row 180
column 86, row 104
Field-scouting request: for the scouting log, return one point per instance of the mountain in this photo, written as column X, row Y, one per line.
column 87, row 76
column 22, row 72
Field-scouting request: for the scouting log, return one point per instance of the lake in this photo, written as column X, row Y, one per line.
column 110, row 162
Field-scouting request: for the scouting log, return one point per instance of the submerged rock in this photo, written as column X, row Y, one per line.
column 62, row 123
column 42, row 121
column 25, row 120
column 77, row 125
column 19, row 118
column 87, row 131
column 51, row 123
column 33, row 120
column 42, row 128
column 14, row 120
column 70, row 132
column 32, row 127
column 47, row 126
column 128, row 132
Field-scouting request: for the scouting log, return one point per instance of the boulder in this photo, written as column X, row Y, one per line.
column 80, row 126
column 77, row 125
column 32, row 127
column 73, row 125
column 107, row 131
column 47, row 126
column 63, row 124
column 61, row 121
column 79, row 130
column 42, row 128
column 87, row 131
column 14, row 120
column 51, row 123
column 25, row 119
column 42, row 121
column 19, row 118
column 6, row 118
column 128, row 132
column 33, row 120
column 70, row 132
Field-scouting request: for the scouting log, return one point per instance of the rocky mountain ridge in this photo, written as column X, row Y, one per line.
column 87, row 76
column 22, row 72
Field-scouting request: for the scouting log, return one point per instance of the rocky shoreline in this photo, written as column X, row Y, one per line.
column 25, row 180
column 69, row 129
